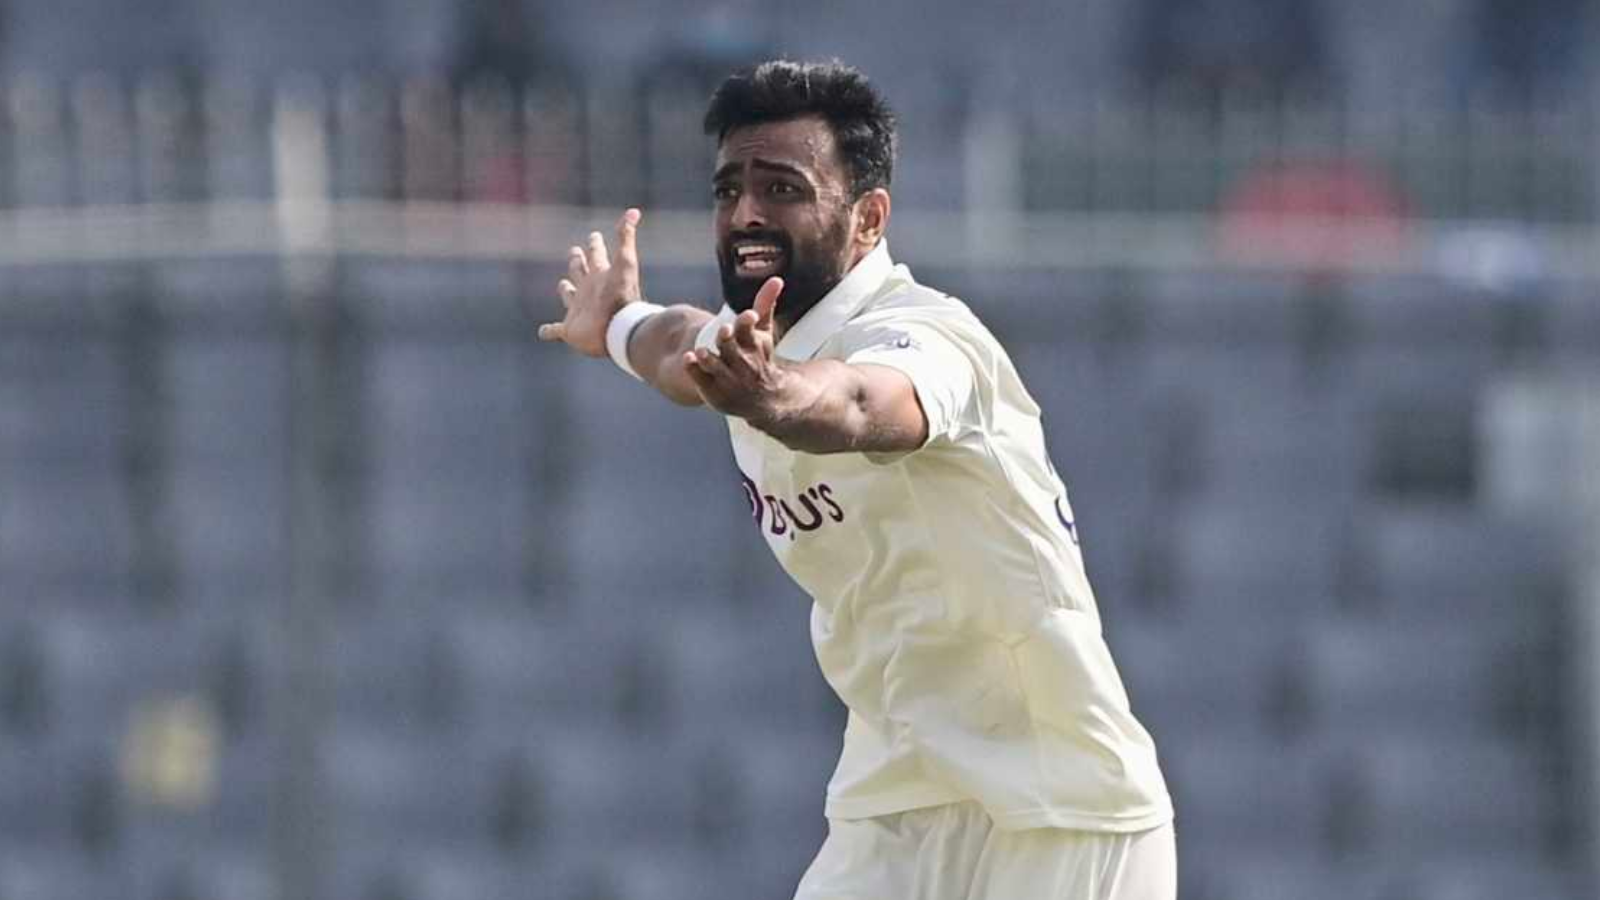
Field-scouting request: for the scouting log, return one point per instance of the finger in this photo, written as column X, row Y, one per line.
column 744, row 330
column 711, row 365
column 595, row 253
column 566, row 290
column 555, row 331
column 732, row 352
column 709, row 361
column 703, row 381
column 767, row 302
column 577, row 266
column 628, row 238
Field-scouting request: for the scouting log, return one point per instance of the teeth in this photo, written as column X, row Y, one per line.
column 749, row 250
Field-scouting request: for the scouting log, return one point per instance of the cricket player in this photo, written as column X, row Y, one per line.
column 897, row 468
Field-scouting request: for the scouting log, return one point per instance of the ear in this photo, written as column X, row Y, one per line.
column 872, row 217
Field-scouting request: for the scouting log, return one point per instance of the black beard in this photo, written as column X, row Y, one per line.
column 806, row 278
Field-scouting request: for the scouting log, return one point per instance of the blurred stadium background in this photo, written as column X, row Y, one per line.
column 319, row 579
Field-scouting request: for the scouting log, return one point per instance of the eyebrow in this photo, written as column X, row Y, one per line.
column 728, row 168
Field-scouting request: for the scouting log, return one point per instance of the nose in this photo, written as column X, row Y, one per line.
column 748, row 212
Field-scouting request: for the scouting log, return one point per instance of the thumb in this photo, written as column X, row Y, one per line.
column 767, row 301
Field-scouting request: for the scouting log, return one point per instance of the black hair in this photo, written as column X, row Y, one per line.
column 779, row 90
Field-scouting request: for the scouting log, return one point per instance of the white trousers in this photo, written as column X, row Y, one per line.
column 954, row 852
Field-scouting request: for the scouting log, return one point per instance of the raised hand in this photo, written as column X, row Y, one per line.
column 595, row 288
column 741, row 377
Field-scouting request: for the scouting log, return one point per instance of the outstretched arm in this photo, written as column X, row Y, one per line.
column 656, row 351
column 821, row 406
column 595, row 289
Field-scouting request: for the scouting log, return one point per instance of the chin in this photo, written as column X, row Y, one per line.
column 740, row 293
column 741, row 296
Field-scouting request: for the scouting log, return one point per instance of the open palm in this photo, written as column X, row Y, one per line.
column 596, row 287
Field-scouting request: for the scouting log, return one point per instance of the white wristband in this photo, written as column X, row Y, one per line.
column 621, row 328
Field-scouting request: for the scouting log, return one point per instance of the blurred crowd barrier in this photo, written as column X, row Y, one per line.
column 96, row 140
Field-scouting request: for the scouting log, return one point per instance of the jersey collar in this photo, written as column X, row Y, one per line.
column 838, row 306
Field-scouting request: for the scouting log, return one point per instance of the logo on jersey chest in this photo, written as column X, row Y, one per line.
column 1070, row 525
column 792, row 517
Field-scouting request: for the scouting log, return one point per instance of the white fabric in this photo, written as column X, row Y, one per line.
column 954, row 852
column 621, row 327
column 952, row 615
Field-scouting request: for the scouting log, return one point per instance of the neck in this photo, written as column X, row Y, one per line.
column 782, row 323
column 858, row 253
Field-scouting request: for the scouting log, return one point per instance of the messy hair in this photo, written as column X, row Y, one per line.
column 779, row 90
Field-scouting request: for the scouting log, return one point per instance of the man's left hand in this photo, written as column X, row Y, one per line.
column 741, row 377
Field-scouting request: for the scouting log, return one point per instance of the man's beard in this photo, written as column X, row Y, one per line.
column 807, row 277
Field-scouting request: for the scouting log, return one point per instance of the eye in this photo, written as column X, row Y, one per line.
column 782, row 188
column 723, row 193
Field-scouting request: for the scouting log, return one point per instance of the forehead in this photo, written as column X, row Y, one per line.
column 806, row 143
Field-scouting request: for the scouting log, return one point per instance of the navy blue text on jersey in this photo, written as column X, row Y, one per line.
column 778, row 516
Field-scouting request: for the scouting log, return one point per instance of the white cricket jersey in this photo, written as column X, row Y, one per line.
column 952, row 613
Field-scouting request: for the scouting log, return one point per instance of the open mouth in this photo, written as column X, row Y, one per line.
column 757, row 260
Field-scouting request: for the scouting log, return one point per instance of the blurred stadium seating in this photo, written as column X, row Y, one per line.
column 1347, row 659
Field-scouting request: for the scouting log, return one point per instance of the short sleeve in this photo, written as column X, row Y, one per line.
column 940, row 372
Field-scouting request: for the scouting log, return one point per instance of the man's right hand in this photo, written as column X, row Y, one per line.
column 595, row 288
